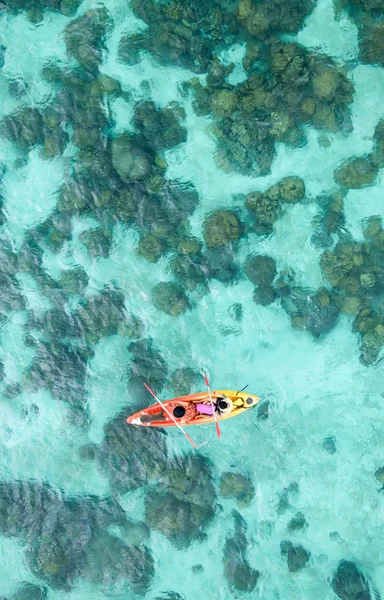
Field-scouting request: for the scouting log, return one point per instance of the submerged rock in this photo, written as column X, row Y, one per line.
column 61, row 370
column 261, row 19
column 12, row 390
column 132, row 327
column 30, row 591
column 260, row 270
column 190, row 245
column 97, row 241
column 292, row 189
column 236, row 311
column 371, row 42
column 84, row 37
column 297, row 523
column 160, row 127
column 183, row 381
column 130, row 161
column 263, row 410
column 222, row 227
column 349, row 583
column 109, row 560
column 11, row 297
column 190, row 271
column 238, row 573
column 2, row 55
column 372, row 226
column 184, row 504
column 73, row 281
column 379, row 474
column 329, row 445
column 284, row 497
column 221, row 265
column 287, row 87
column 36, row 10
column 170, row 298
column 146, row 364
column 265, row 208
column 378, row 149
column 24, row 128
column 197, row 569
column 356, row 173
column 88, row 452
column 102, row 314
column 170, row 596
column 151, row 248
column 297, row 556
column 235, row 485
column 17, row 87
column 265, row 295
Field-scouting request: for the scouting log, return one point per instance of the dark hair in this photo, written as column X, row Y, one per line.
column 223, row 404
column 179, row 412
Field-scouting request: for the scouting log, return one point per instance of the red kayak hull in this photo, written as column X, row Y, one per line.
column 153, row 416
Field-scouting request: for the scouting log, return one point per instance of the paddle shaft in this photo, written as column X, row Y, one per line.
column 213, row 409
column 170, row 415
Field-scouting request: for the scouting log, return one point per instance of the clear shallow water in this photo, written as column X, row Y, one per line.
column 317, row 388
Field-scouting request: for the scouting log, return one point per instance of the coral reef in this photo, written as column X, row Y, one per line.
column 62, row 533
column 315, row 312
column 355, row 270
column 261, row 19
column 35, row 10
column 130, row 457
column 266, row 207
column 116, row 179
column 293, row 88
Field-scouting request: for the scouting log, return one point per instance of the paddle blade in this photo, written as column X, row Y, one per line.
column 190, row 439
column 218, row 430
column 206, row 380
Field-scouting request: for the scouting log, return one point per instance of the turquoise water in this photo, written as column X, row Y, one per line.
column 90, row 508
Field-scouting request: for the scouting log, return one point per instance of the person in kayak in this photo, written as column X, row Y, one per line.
column 182, row 411
column 224, row 405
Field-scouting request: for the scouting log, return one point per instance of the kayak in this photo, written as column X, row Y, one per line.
column 196, row 408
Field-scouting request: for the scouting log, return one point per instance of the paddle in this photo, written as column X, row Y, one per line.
column 170, row 415
column 214, row 412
